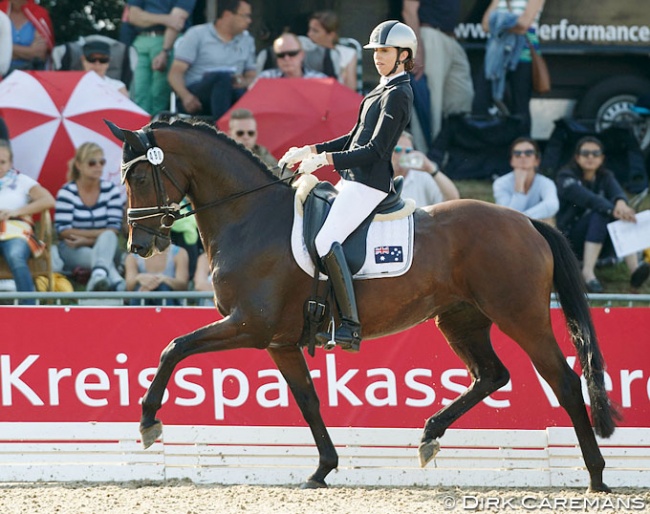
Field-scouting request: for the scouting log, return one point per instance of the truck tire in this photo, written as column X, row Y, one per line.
column 610, row 100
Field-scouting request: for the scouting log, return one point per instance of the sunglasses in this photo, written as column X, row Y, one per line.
column 102, row 60
column 290, row 53
column 249, row 133
column 590, row 153
column 94, row 162
column 400, row 149
column 519, row 153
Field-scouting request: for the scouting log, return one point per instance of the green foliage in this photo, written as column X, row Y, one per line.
column 74, row 18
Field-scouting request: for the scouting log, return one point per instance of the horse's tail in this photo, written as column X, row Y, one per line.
column 571, row 293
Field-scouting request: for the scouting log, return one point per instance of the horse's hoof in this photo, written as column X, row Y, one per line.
column 427, row 451
column 313, row 484
column 602, row 488
column 151, row 433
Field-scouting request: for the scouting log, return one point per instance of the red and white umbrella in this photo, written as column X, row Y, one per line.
column 51, row 113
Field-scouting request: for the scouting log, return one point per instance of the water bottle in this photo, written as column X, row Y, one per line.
column 411, row 161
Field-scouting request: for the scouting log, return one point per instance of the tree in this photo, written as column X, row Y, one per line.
column 75, row 18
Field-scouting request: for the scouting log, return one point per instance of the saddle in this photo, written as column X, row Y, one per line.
column 316, row 208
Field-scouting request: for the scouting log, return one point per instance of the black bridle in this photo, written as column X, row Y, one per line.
column 168, row 211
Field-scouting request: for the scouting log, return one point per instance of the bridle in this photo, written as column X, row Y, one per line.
column 168, row 211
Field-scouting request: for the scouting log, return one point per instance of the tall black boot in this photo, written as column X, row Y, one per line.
column 348, row 334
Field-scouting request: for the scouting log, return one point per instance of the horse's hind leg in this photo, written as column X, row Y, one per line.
column 290, row 360
column 552, row 366
column 468, row 333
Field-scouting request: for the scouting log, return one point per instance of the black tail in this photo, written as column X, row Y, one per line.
column 572, row 295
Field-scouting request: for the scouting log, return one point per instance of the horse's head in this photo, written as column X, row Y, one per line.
column 153, row 193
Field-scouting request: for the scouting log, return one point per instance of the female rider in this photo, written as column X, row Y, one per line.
column 363, row 159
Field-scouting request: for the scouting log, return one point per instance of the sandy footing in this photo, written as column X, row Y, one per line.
column 184, row 497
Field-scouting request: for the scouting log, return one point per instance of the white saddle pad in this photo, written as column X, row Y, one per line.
column 389, row 246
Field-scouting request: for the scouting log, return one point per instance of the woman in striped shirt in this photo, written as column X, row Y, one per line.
column 88, row 218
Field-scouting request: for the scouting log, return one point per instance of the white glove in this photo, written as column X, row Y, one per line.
column 294, row 155
column 312, row 163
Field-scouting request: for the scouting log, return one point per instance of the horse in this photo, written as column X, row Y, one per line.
column 475, row 264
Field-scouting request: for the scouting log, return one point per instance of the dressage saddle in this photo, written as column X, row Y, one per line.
column 317, row 207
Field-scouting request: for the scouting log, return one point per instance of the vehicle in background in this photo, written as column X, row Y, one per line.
column 598, row 54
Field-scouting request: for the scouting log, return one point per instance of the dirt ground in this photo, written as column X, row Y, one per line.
column 184, row 497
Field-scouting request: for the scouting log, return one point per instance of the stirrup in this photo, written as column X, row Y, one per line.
column 331, row 329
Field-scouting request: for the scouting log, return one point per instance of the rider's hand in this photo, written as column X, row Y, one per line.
column 294, row 155
column 313, row 162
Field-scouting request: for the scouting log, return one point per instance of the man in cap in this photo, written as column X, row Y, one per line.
column 96, row 56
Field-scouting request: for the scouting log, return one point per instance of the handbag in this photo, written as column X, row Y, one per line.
column 541, row 76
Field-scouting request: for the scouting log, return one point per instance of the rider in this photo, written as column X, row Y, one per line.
column 363, row 159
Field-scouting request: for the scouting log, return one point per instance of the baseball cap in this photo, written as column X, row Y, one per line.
column 96, row 48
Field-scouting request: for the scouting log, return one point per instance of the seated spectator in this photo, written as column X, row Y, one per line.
column 32, row 34
column 591, row 197
column 20, row 197
column 5, row 44
column 203, row 279
column 242, row 127
column 290, row 60
column 164, row 271
column 88, row 218
column 95, row 57
column 214, row 62
column 325, row 54
column 423, row 180
column 158, row 24
column 523, row 189
column 4, row 131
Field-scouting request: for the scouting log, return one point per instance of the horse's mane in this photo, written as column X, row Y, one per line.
column 212, row 131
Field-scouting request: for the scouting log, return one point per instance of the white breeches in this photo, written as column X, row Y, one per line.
column 353, row 204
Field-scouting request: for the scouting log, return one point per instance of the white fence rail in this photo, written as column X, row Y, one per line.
column 100, row 452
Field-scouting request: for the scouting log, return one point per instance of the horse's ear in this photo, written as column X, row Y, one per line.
column 117, row 131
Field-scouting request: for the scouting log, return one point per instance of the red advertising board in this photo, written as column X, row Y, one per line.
column 94, row 364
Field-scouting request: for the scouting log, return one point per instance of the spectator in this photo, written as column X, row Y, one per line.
column 242, row 127
column 215, row 62
column 441, row 63
column 524, row 16
column 88, row 218
column 95, row 57
column 20, row 197
column 363, row 159
column 158, row 22
column 423, row 180
column 5, row 45
column 523, row 189
column 325, row 54
column 203, row 279
column 162, row 272
column 591, row 197
column 4, row 131
column 32, row 34
column 290, row 60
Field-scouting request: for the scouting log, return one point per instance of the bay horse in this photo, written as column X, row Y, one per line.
column 475, row 264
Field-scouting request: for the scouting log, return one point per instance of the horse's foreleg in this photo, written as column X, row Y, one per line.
column 290, row 361
column 468, row 333
column 222, row 335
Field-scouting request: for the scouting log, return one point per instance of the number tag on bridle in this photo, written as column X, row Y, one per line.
column 155, row 155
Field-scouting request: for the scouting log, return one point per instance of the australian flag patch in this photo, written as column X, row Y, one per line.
column 386, row 254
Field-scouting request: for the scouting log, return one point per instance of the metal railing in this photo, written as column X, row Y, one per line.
column 111, row 298
column 204, row 298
